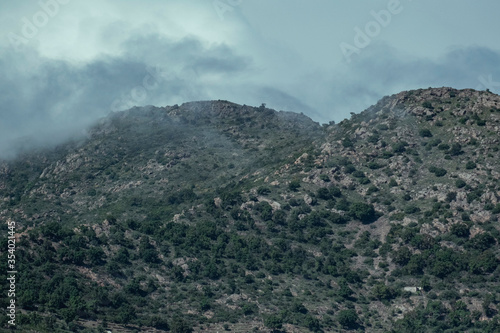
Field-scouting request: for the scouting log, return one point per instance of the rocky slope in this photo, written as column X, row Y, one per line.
column 212, row 215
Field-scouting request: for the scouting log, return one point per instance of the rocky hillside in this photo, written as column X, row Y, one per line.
column 213, row 216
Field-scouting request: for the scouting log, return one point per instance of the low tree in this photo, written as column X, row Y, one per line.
column 273, row 322
column 294, row 185
column 178, row 325
column 425, row 133
column 363, row 212
column 348, row 318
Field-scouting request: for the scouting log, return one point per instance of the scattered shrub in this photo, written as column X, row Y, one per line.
column 324, row 177
column 451, row 196
column 425, row 133
column 412, row 209
column 439, row 172
column 399, row 147
column 362, row 211
column 456, row 149
column 323, row 193
column 443, row 146
column 372, row 189
column 358, row 174
column 374, row 165
column 294, row 185
column 349, row 168
column 348, row 318
column 460, row 230
column 263, row 190
column 427, row 105
column 434, row 142
column 470, row 165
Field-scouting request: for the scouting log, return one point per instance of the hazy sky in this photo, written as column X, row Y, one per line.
column 65, row 63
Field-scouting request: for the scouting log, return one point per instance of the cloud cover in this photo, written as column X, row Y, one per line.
column 89, row 60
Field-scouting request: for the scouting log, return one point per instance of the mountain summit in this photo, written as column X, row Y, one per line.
column 213, row 216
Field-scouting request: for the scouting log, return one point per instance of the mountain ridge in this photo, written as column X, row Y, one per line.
column 212, row 213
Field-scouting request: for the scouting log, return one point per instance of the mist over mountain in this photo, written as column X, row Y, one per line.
column 215, row 216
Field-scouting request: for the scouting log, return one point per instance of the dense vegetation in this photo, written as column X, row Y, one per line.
column 217, row 216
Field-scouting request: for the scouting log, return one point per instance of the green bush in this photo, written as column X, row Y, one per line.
column 439, row 172
column 456, row 149
column 434, row 142
column 348, row 318
column 402, row 256
column 324, row 193
column 265, row 210
column 372, row 189
column 374, row 165
column 263, row 190
column 347, row 143
column 342, row 204
column 425, row 133
column 294, row 185
column 96, row 256
column 336, row 218
column 470, row 165
column 399, row 147
column 427, row 105
column 324, row 177
column 451, row 196
column 412, row 209
column 336, row 192
column 364, row 181
column 358, row 174
column 180, row 326
column 443, row 146
column 349, row 168
column 482, row 242
column 312, row 323
column 460, row 230
column 362, row 211
column 387, row 154
column 373, row 139
column 382, row 292
column 273, row 322
column 485, row 263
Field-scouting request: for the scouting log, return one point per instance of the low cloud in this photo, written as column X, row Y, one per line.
column 45, row 101
column 381, row 70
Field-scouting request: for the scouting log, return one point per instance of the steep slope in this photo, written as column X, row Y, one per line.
column 152, row 154
column 213, row 214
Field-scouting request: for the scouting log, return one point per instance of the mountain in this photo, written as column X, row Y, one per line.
column 213, row 216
